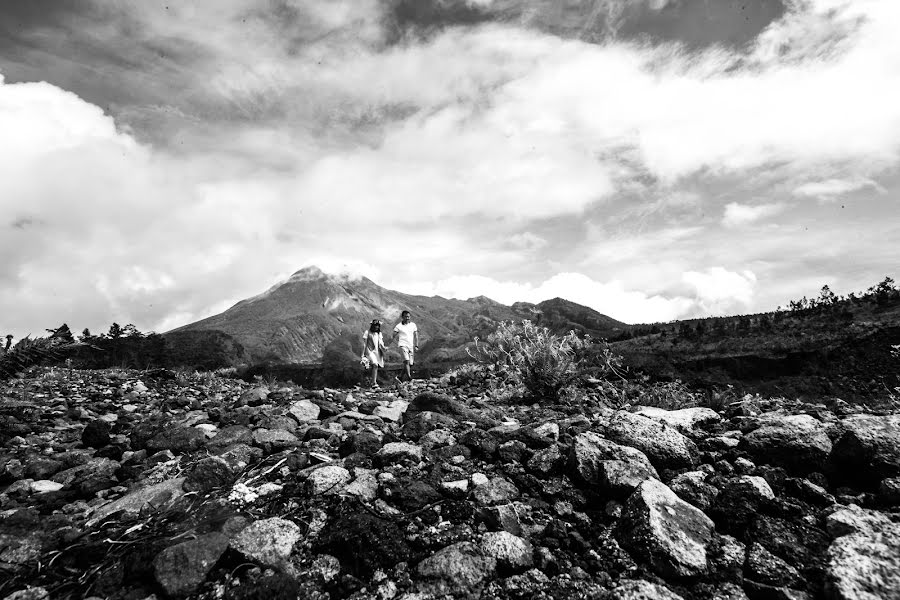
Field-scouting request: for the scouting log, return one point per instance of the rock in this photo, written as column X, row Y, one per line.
column 548, row 430
column 363, row 542
column 798, row 443
column 229, row 436
column 362, row 442
column 638, row 589
column 665, row 531
column 95, row 475
column 546, row 462
column 392, row 411
column 155, row 497
column 45, row 486
column 889, row 491
column 418, row 424
column 867, row 451
column 179, row 440
column 437, row 438
column 29, row 593
column 864, row 565
column 180, row 569
column 395, row 452
column 853, row 519
column 20, row 550
column 364, row 485
column 510, row 551
column 304, row 411
column 273, row 440
column 459, row 570
column 254, row 397
column 504, row 517
column 439, row 403
column 662, row 444
column 95, row 434
column 685, row 420
column 738, row 502
column 330, row 479
column 692, row 487
column 208, row 474
column 764, row 567
column 268, row 542
column 413, row 494
column 615, row 469
column 495, row 491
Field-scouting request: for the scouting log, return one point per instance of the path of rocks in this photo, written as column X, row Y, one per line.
column 134, row 485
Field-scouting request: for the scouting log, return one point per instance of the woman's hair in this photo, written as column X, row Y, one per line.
column 375, row 326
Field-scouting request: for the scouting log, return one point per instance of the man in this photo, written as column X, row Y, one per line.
column 407, row 336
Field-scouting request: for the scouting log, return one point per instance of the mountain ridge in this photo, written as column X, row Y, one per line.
column 299, row 319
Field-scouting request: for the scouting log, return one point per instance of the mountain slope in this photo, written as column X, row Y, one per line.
column 297, row 320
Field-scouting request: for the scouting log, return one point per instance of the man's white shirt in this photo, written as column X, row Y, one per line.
column 406, row 334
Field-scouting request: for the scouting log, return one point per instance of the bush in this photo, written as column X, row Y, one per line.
column 540, row 361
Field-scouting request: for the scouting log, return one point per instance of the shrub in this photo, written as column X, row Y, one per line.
column 540, row 361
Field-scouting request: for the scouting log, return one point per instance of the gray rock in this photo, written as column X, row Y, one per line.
column 235, row 434
column 95, row 434
column 268, row 542
column 495, row 491
column 692, row 487
column 638, row 589
column 614, row 468
column 864, row 565
column 155, row 497
column 662, row 444
column 180, row 569
column 418, row 424
column 665, row 531
column 459, row 570
column 685, row 420
column 546, row 462
column 868, row 449
column 798, row 443
column 304, row 411
column 208, row 474
column 439, row 403
column 179, row 440
column 29, row 593
column 889, row 491
column 764, row 567
column 510, row 551
column 853, row 519
column 272, row 440
column 395, row 452
column 330, row 479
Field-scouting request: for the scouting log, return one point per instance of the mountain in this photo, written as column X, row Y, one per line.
column 313, row 313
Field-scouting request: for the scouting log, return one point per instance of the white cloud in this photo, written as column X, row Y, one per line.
column 741, row 214
column 611, row 298
column 526, row 241
column 830, row 189
column 720, row 291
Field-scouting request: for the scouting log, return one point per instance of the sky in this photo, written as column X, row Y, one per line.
column 652, row 159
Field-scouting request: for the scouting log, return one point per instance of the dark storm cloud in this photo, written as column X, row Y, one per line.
column 695, row 23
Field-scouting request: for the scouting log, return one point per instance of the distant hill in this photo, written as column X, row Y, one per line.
column 839, row 347
column 312, row 314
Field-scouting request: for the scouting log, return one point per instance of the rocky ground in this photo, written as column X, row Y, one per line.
column 155, row 484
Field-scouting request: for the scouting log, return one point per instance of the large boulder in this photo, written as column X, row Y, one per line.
column 613, row 468
column 663, row 444
column 665, row 531
column 868, row 449
column 796, row 442
column 864, row 565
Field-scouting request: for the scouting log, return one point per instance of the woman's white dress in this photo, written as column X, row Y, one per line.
column 374, row 348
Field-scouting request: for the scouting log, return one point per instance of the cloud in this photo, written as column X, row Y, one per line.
column 720, row 291
column 741, row 214
column 830, row 189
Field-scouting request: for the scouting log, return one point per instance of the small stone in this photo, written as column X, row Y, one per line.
column 496, row 491
column 44, row 486
column 304, row 411
column 208, row 474
column 510, row 551
column 180, row 569
column 459, row 569
column 395, row 452
column 268, row 542
column 95, row 434
column 330, row 479
column 638, row 589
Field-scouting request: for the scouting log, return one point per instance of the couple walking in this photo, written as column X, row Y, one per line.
column 407, row 336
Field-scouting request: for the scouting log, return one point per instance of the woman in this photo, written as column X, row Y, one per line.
column 373, row 349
